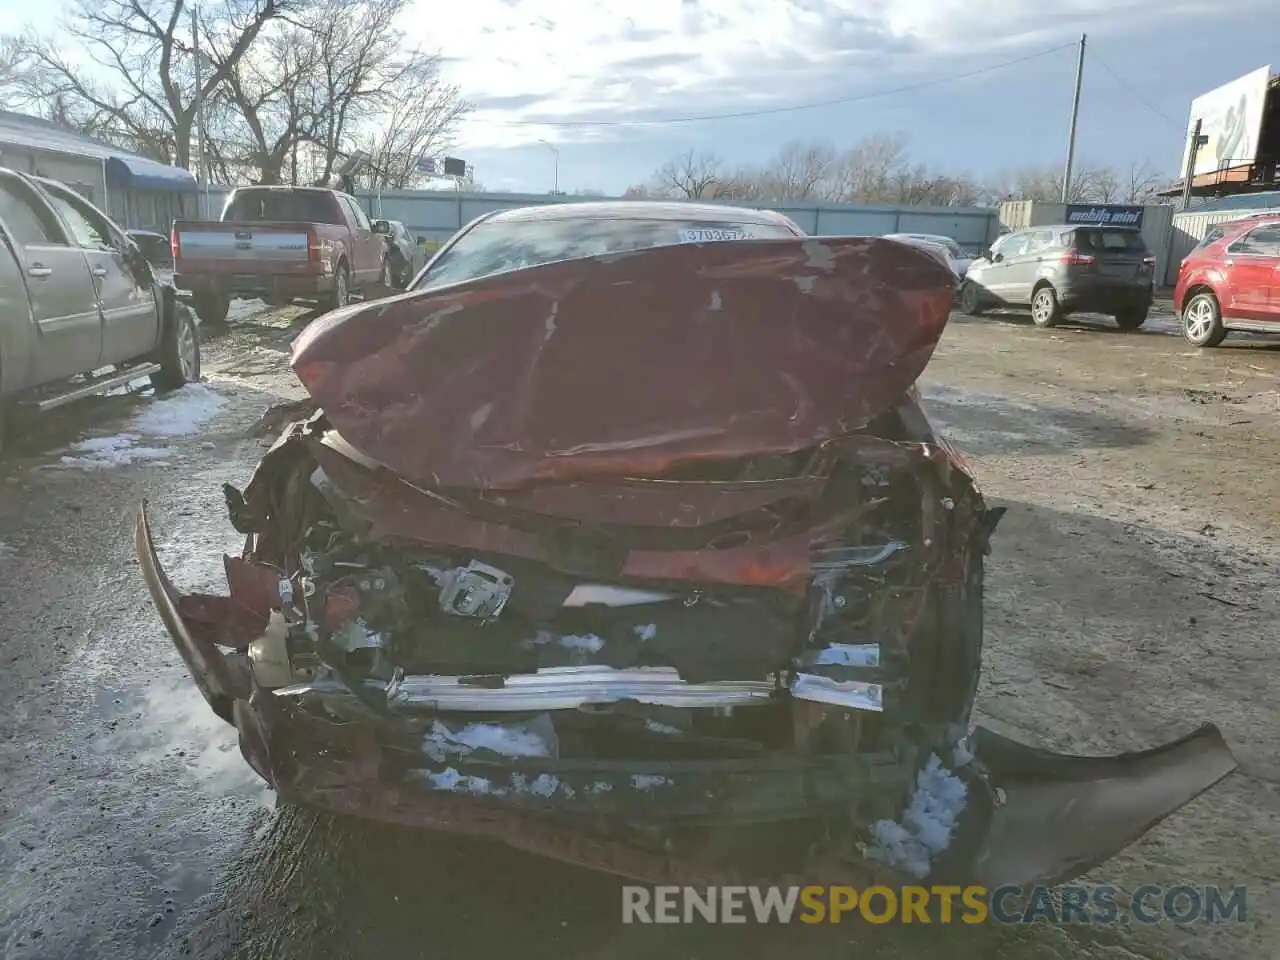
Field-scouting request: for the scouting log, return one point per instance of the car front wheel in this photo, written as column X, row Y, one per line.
column 179, row 353
column 970, row 299
column 1202, row 321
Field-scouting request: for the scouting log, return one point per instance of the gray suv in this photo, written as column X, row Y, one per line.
column 1057, row 270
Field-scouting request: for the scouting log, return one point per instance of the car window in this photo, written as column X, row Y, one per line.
column 1212, row 235
column 1040, row 240
column 1110, row 241
column 1260, row 241
column 496, row 247
column 361, row 218
column 289, row 206
column 23, row 218
column 88, row 228
column 1014, row 245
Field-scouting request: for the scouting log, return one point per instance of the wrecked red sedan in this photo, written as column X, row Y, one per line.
column 622, row 537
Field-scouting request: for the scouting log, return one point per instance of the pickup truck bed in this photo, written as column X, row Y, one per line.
column 279, row 244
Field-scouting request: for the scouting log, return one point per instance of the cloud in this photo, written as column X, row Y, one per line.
column 530, row 62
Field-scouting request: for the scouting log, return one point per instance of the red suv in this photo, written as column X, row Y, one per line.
column 1231, row 281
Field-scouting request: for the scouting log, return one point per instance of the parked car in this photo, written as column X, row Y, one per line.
column 280, row 244
column 956, row 256
column 1231, row 281
column 1064, row 269
column 623, row 538
column 407, row 256
column 79, row 296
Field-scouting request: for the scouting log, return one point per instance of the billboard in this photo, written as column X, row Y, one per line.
column 1231, row 118
column 1104, row 214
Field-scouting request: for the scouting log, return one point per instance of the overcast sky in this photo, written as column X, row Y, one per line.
column 527, row 63
column 522, row 62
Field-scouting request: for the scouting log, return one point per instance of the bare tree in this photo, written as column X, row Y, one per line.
column 867, row 169
column 801, row 171
column 1141, row 183
column 689, row 175
column 138, row 84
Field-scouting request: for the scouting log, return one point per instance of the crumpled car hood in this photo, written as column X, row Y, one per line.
column 629, row 364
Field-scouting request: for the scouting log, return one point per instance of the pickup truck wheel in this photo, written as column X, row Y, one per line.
column 212, row 307
column 341, row 295
column 179, row 353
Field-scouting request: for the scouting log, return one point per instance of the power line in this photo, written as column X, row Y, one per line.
column 771, row 111
column 1128, row 87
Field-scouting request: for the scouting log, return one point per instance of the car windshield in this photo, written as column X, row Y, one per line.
column 296, row 206
column 1105, row 241
column 498, row 246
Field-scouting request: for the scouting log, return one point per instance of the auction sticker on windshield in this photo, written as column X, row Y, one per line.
column 706, row 234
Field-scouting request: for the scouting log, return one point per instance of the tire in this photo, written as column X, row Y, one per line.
column 211, row 307
column 1045, row 310
column 179, row 353
column 1202, row 321
column 970, row 299
column 341, row 295
column 1132, row 318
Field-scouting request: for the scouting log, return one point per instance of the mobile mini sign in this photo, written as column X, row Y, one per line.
column 1104, row 215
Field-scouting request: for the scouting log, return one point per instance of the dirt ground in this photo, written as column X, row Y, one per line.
column 1131, row 596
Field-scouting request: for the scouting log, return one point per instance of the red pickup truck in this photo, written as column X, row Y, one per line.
column 279, row 244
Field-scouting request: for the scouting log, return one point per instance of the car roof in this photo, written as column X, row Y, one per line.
column 921, row 236
column 1251, row 220
column 638, row 210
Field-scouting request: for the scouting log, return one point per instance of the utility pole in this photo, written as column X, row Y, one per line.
column 1075, row 115
column 204, row 157
column 1188, row 178
column 1197, row 141
column 555, row 176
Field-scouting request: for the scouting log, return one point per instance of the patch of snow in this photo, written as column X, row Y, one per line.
column 653, row 726
column 850, row 655
column 103, row 453
column 600, row 786
column 927, row 824
column 647, row 781
column 244, row 309
column 7, row 552
column 180, row 414
column 544, row 785
column 507, row 740
column 588, row 643
column 451, row 780
column 646, row 631
column 962, row 753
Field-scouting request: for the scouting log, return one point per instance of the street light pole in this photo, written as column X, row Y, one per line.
column 555, row 182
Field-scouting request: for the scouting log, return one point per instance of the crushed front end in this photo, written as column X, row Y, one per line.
column 747, row 652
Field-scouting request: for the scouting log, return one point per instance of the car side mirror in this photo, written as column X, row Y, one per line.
column 996, row 258
column 382, row 227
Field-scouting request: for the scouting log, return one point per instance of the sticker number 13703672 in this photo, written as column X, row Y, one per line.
column 708, row 234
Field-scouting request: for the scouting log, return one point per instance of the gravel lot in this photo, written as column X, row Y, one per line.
column 1131, row 595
